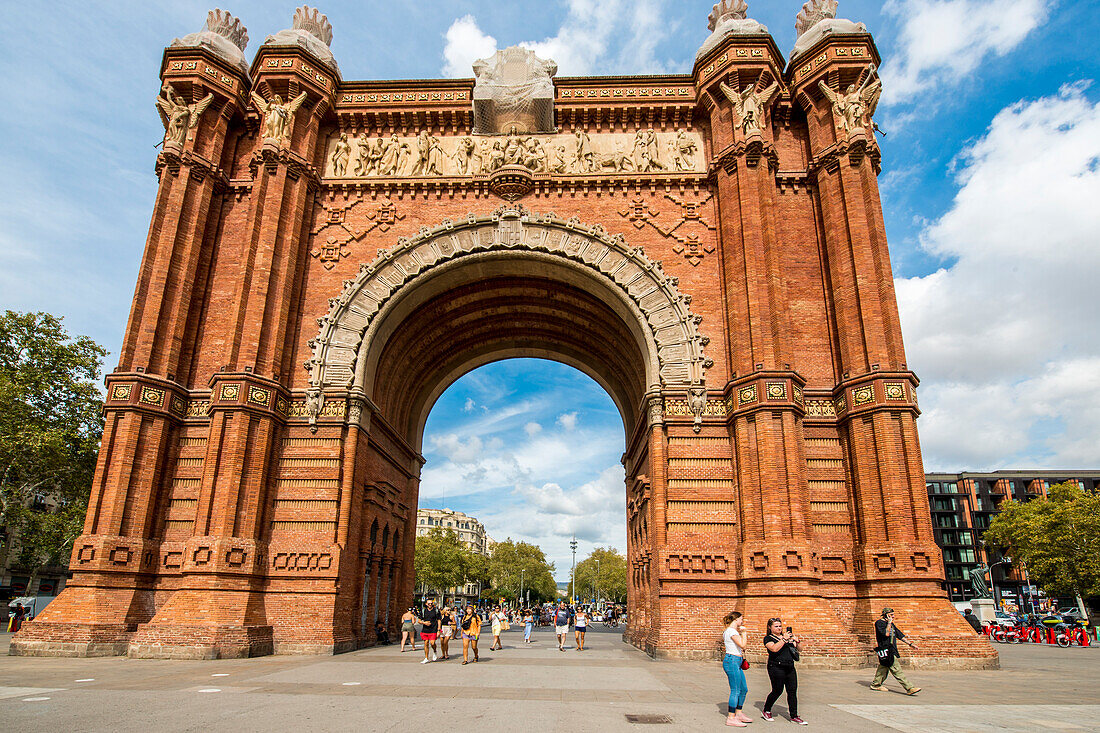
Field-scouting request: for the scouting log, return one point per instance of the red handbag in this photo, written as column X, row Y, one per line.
column 744, row 664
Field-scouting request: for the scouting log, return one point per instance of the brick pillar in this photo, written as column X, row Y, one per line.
column 896, row 561
column 219, row 610
column 115, row 560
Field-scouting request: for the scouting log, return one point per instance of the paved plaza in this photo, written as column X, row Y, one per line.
column 522, row 687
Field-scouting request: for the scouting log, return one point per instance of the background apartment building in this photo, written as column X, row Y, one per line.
column 470, row 532
column 963, row 505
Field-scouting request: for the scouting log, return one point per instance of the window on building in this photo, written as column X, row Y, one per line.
column 933, row 487
column 967, row 555
column 943, row 504
column 954, row 572
column 950, row 487
column 965, row 538
column 947, row 520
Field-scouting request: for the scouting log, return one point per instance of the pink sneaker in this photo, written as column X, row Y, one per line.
column 798, row 720
column 766, row 716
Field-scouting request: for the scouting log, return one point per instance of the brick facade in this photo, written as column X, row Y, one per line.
column 739, row 310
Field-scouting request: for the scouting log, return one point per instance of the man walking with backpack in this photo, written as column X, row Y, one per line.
column 888, row 635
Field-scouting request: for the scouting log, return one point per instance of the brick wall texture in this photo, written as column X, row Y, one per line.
column 244, row 505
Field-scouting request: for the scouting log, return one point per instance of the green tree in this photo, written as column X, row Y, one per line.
column 442, row 562
column 1056, row 538
column 605, row 579
column 512, row 563
column 50, row 428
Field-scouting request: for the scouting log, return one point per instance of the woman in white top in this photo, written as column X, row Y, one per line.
column 498, row 620
column 734, row 639
column 580, row 625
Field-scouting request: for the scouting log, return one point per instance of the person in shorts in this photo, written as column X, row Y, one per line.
column 429, row 632
column 471, row 629
column 580, row 625
column 561, row 624
column 408, row 628
column 446, row 630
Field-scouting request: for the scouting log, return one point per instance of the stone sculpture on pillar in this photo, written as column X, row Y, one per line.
column 178, row 116
column 855, row 107
column 750, row 105
column 278, row 116
column 222, row 35
column 728, row 18
column 816, row 20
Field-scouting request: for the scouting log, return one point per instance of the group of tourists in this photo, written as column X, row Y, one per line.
column 442, row 625
column 784, row 648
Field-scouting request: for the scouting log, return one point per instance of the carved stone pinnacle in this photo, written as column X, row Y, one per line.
column 813, row 12
column 727, row 10
column 226, row 25
column 313, row 21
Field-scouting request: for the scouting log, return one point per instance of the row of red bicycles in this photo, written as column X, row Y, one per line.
column 1063, row 635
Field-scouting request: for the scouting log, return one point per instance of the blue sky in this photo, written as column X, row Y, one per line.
column 990, row 184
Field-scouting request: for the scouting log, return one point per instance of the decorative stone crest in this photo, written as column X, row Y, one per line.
column 812, row 13
column 678, row 345
column 178, row 116
column 816, row 20
column 513, row 89
column 311, row 31
column 223, row 35
column 728, row 18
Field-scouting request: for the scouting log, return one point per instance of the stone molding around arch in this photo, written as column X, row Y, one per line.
column 678, row 343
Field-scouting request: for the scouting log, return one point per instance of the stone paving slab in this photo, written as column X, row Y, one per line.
column 525, row 687
column 979, row 718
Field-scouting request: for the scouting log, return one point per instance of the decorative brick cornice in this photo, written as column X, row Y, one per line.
column 136, row 391
column 765, row 390
column 247, row 391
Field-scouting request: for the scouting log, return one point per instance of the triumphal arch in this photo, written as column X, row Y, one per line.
column 326, row 256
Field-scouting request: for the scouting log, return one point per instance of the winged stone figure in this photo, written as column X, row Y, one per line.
column 750, row 105
column 178, row 116
column 278, row 115
column 854, row 106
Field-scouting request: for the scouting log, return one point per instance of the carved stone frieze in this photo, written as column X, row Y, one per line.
column 567, row 154
column 678, row 343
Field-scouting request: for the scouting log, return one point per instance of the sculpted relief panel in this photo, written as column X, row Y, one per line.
column 571, row 154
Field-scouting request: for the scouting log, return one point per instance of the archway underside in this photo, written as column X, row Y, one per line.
column 502, row 317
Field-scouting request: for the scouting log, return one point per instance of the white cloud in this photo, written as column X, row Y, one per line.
column 532, row 429
column 568, row 420
column 470, row 405
column 942, row 41
column 465, row 44
column 596, row 37
column 1005, row 338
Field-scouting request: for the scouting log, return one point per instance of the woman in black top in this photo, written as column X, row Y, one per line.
column 783, row 648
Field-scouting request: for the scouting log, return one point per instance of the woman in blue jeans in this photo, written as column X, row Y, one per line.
column 734, row 640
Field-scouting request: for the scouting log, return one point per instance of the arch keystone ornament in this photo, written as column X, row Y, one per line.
column 744, row 324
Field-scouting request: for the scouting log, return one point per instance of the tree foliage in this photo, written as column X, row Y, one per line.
column 441, row 561
column 506, row 562
column 606, row 580
column 1057, row 538
column 50, row 428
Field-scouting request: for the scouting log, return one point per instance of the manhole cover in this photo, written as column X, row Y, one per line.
column 648, row 719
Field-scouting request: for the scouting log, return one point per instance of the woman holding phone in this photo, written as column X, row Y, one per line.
column 783, row 651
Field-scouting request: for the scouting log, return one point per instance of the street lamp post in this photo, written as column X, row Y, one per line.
column 597, row 582
column 521, row 572
column 573, row 572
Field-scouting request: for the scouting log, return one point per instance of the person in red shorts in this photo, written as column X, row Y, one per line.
column 429, row 621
